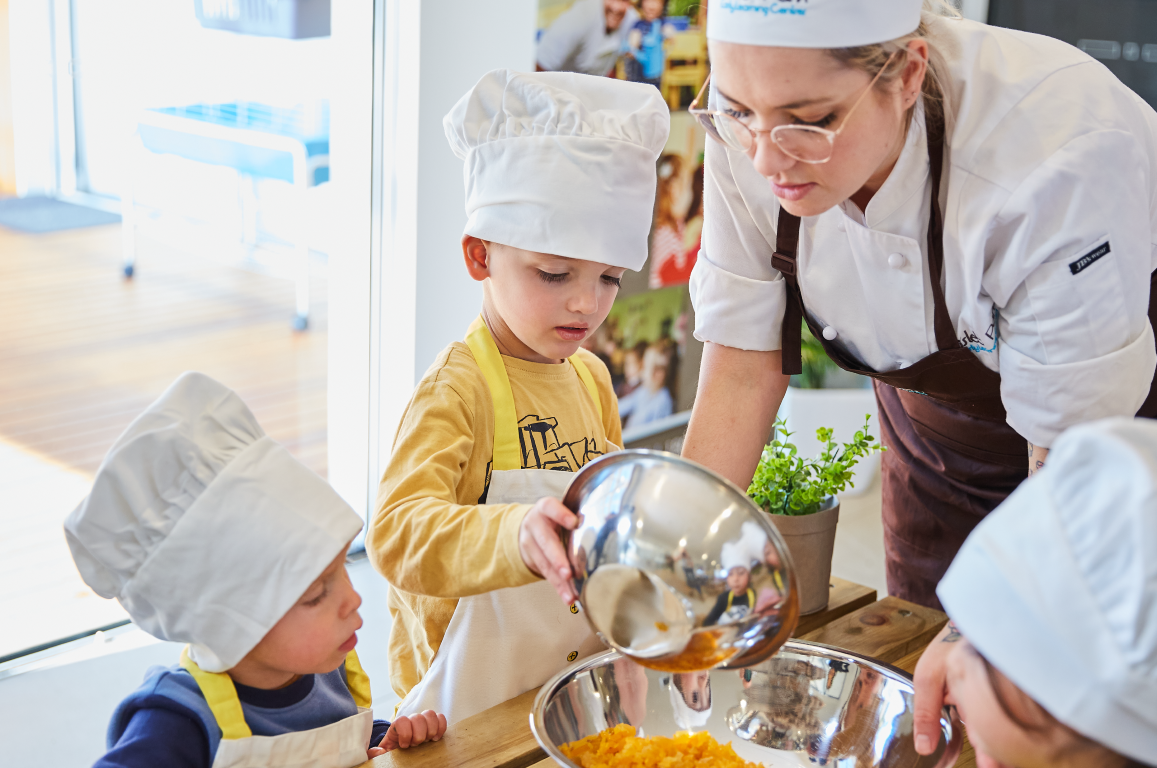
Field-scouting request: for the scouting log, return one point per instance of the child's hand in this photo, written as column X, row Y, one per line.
column 410, row 731
column 541, row 548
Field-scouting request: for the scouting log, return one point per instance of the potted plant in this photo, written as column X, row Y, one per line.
column 800, row 495
column 825, row 394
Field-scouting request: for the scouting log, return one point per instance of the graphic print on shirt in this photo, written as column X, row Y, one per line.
column 542, row 449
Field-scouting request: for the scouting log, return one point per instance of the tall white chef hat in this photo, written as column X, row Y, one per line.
column 1057, row 588
column 205, row 529
column 747, row 550
column 811, row 23
column 561, row 163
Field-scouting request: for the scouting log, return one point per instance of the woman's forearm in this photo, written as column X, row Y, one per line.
column 1036, row 457
column 735, row 407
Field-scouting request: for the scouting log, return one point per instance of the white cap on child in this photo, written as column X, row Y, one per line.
column 205, row 529
column 561, row 163
column 1057, row 588
column 811, row 23
column 745, row 551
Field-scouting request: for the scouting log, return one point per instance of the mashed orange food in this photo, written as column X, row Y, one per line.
column 619, row 747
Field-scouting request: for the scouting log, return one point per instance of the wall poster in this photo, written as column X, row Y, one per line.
column 662, row 43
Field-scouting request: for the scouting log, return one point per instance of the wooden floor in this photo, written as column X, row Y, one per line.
column 83, row 351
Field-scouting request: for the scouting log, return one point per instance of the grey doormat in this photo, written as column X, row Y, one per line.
column 37, row 215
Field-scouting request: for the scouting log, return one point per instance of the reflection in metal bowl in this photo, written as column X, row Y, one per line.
column 808, row 705
column 675, row 567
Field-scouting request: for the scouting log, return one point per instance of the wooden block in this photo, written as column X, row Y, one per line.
column 887, row 630
column 908, row 663
column 500, row 737
column 845, row 597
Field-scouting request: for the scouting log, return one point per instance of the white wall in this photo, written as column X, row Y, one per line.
column 436, row 50
column 977, row 10
column 33, row 95
column 461, row 41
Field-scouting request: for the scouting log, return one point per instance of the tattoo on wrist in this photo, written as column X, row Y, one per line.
column 953, row 634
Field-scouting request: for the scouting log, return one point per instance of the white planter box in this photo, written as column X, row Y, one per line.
column 806, row 410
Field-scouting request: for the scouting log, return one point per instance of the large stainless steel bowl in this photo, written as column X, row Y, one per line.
column 675, row 567
column 809, row 704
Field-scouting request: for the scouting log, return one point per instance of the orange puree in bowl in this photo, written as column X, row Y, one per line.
column 619, row 747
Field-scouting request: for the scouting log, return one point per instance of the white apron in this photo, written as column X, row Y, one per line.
column 503, row 643
column 338, row 745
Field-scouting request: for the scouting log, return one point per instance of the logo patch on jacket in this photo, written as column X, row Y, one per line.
column 1089, row 258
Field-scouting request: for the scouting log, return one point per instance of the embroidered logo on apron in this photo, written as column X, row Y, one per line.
column 1089, row 258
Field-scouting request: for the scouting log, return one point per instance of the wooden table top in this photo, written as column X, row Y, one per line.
column 891, row 630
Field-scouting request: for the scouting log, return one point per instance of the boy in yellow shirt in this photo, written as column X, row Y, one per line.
column 560, row 183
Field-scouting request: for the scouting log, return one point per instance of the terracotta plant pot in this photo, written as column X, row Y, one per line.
column 811, row 540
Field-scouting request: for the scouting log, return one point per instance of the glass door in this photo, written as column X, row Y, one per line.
column 212, row 126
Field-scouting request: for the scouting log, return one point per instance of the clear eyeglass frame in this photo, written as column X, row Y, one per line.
column 805, row 143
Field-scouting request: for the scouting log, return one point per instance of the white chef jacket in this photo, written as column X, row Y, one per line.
column 1050, row 219
column 577, row 41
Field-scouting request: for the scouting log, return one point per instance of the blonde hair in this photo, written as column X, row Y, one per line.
column 870, row 59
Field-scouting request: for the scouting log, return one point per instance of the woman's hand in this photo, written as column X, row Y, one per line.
column 930, row 681
column 541, row 548
column 410, row 731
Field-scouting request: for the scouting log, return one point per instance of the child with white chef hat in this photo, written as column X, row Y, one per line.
column 209, row 532
column 560, row 185
column 1053, row 601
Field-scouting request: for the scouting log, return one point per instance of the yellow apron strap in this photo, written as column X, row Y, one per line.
column 357, row 680
column 588, row 381
column 221, row 696
column 507, row 450
column 750, row 598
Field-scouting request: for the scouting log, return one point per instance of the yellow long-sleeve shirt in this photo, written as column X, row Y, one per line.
column 430, row 537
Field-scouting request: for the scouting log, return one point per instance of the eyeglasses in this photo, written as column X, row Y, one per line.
column 806, row 143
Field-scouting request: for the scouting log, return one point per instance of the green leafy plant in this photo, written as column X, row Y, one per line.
column 787, row 484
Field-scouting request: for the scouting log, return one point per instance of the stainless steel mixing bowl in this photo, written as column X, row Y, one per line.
column 809, row 704
column 675, row 567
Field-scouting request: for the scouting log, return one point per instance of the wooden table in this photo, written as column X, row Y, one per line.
column 891, row 630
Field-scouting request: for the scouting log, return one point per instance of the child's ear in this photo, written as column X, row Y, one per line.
column 477, row 255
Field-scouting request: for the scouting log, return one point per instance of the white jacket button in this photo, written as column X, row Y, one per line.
column 897, row 261
column 830, row 333
column 841, row 227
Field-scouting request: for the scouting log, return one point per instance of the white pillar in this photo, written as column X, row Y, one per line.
column 391, row 313
column 31, row 47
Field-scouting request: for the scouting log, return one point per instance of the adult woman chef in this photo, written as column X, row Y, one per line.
column 965, row 213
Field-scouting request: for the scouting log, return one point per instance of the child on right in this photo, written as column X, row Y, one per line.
column 1053, row 608
column 560, row 184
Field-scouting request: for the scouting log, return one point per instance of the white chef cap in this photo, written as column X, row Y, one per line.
column 561, row 163
column 205, row 529
column 747, row 550
column 811, row 23
column 1057, row 588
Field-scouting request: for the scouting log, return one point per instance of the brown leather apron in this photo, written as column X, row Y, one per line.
column 951, row 458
